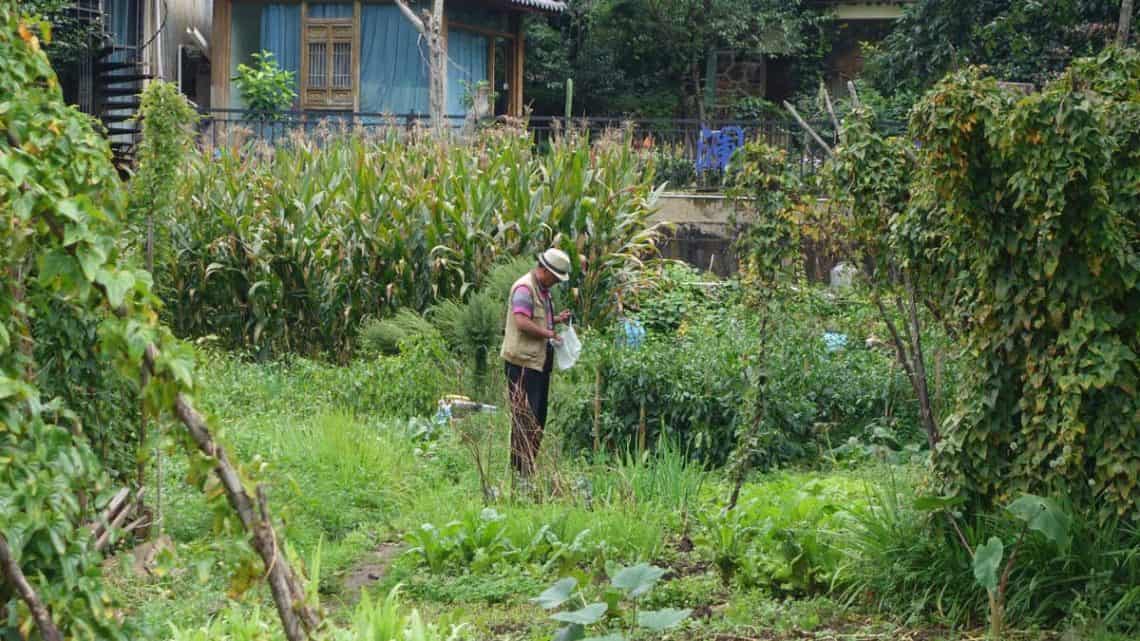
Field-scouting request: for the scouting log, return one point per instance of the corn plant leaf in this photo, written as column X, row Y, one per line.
column 590, row 614
column 658, row 620
column 987, row 560
column 1043, row 515
column 638, row 579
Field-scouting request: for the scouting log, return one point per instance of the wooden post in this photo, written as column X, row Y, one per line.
column 641, row 429
column 1124, row 28
column 569, row 101
column 597, row 408
column 220, row 55
column 516, row 79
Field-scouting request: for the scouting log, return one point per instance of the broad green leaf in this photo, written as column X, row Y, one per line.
column 987, row 561
column 91, row 258
column 117, row 283
column 1043, row 515
column 590, row 614
column 556, row 594
column 572, row 632
column 609, row 637
column 658, row 620
column 638, row 579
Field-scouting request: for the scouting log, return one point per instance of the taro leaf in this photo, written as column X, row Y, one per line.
column 590, row 614
column 638, row 579
column 609, row 637
column 659, row 620
column 556, row 594
column 932, row 503
column 987, row 560
column 572, row 632
column 1043, row 515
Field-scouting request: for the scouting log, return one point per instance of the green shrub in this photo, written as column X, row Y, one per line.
column 265, row 87
column 383, row 336
column 692, row 384
column 782, row 534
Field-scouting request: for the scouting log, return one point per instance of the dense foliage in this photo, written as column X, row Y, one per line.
column 651, row 58
column 1029, row 209
column 290, row 248
column 265, row 87
column 1020, row 40
column 62, row 199
column 690, row 383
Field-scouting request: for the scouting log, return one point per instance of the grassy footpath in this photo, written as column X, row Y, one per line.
column 361, row 489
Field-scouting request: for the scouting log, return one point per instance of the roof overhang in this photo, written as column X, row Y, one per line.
column 868, row 9
column 538, row 6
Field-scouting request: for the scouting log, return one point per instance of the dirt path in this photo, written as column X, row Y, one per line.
column 369, row 570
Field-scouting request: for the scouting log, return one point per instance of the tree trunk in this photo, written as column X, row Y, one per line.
column 437, row 71
column 1124, row 29
column 430, row 28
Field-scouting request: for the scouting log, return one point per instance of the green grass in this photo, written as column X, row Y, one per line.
column 355, row 483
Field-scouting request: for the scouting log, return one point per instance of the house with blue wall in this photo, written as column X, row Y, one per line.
column 365, row 56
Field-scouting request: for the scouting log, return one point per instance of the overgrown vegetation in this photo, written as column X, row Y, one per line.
column 769, row 454
column 289, row 249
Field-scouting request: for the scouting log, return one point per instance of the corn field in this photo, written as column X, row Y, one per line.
column 290, row 248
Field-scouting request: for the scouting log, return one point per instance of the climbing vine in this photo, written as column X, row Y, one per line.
column 1037, row 251
column 59, row 250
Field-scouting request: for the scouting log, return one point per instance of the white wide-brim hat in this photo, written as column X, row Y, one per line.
column 556, row 262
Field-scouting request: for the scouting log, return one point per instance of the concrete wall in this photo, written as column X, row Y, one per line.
column 178, row 16
column 704, row 235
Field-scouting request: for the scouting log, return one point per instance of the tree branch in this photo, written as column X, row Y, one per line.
column 808, row 128
column 921, row 388
column 14, row 576
column 411, row 16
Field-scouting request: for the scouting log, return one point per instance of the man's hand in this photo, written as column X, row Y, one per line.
column 562, row 316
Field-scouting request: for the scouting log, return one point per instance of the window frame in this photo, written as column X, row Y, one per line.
column 331, row 31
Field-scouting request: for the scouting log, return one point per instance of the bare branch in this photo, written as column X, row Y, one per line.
column 411, row 16
column 854, row 94
column 808, row 128
column 14, row 576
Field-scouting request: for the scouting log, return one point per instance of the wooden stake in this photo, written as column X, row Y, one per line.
column 597, row 408
column 831, row 110
column 641, row 429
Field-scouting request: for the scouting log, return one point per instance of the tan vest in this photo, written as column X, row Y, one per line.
column 520, row 348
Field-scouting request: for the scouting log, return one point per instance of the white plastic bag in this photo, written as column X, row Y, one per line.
column 566, row 353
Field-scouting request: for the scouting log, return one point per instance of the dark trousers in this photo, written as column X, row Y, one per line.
column 528, row 390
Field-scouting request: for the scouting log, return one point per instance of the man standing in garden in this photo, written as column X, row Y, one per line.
column 528, row 349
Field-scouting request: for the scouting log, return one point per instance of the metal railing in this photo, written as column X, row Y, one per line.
column 228, row 127
column 675, row 141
